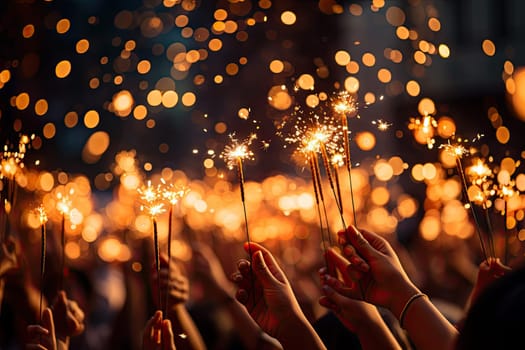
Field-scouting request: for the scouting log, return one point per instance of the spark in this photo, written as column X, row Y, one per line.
column 151, row 199
column 381, row 124
column 344, row 103
column 238, row 150
column 171, row 193
column 42, row 215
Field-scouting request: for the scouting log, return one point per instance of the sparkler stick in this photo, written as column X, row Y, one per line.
column 311, row 161
column 490, row 232
column 335, row 162
column 64, row 207
column 43, row 219
column 331, row 181
column 506, row 192
column 458, row 151
column 505, row 231
column 233, row 155
column 157, row 258
column 321, row 196
column 154, row 207
column 172, row 196
column 343, row 105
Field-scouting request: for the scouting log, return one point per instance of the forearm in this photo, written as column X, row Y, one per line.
column 426, row 326
column 248, row 329
column 376, row 335
column 297, row 333
column 183, row 324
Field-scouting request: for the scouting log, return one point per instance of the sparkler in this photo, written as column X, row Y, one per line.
column 172, row 195
column 479, row 174
column 64, row 207
column 233, row 155
column 11, row 163
column 458, row 151
column 345, row 104
column 42, row 216
column 154, row 207
column 506, row 192
column 315, row 141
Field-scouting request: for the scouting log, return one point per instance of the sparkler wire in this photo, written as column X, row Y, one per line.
column 472, row 210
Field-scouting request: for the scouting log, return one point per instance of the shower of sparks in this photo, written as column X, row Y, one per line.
column 455, row 150
column 13, row 161
column 238, row 150
column 345, row 103
column 151, row 200
column 479, row 172
column 172, row 193
column 338, row 160
column 507, row 191
column 42, row 215
column 381, row 124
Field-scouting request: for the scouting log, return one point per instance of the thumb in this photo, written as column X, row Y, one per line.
column 262, row 272
column 47, row 321
column 361, row 244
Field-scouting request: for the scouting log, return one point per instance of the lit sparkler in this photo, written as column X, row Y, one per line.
column 172, row 194
column 64, row 208
column 42, row 216
column 233, row 155
column 480, row 176
column 152, row 204
column 506, row 192
column 458, row 151
column 344, row 105
column 11, row 164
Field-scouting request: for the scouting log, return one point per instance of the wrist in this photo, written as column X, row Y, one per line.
column 401, row 297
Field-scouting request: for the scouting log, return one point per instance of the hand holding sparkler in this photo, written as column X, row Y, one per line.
column 271, row 302
column 42, row 337
column 371, row 260
column 158, row 334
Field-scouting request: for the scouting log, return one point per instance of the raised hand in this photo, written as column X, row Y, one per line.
column 68, row 318
column 42, row 337
column 370, row 270
column 268, row 296
column 158, row 334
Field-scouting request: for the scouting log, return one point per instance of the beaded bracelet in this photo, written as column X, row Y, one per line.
column 407, row 305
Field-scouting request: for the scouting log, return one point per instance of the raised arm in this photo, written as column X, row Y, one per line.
column 172, row 279
column 374, row 274
column 209, row 269
column 267, row 295
column 359, row 317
